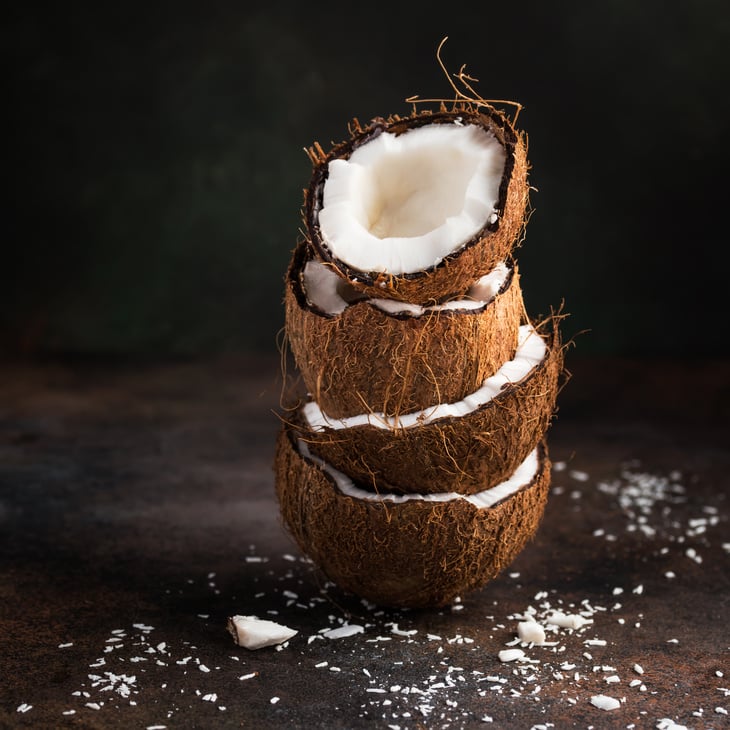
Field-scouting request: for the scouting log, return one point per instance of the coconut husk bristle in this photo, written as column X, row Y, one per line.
column 404, row 464
column 457, row 454
column 412, row 361
column 415, row 554
column 455, row 273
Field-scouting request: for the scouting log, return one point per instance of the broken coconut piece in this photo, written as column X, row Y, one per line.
column 358, row 354
column 604, row 702
column 409, row 551
column 418, row 208
column 465, row 447
column 255, row 633
column 530, row 632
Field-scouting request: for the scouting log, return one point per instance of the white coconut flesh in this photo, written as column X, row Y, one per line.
column 401, row 203
column 522, row 476
column 331, row 294
column 531, row 351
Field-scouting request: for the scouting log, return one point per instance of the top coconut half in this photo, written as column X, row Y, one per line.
column 418, row 208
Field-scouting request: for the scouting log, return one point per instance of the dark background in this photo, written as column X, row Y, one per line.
column 155, row 161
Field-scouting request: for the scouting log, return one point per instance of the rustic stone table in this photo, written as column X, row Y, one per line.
column 137, row 513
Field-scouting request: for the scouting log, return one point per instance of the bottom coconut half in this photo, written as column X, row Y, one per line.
column 407, row 551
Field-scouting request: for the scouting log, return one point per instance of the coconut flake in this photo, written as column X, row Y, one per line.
column 252, row 632
column 604, row 702
column 510, row 655
column 401, row 203
column 567, row 621
column 531, row 351
column 343, row 631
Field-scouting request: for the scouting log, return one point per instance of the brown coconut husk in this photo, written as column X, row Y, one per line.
column 494, row 243
column 365, row 359
column 465, row 454
column 416, row 554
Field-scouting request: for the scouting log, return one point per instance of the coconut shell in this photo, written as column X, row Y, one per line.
column 365, row 359
column 452, row 276
column 413, row 554
column 463, row 454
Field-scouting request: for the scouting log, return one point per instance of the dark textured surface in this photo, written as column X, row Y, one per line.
column 132, row 496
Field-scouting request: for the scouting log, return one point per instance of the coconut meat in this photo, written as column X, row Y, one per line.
column 520, row 478
column 401, row 203
column 331, row 294
column 531, row 351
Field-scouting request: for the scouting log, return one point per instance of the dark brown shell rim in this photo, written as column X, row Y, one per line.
column 304, row 253
column 541, row 465
column 492, row 120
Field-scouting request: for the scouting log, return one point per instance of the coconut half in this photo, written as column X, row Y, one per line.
column 416, row 551
column 418, row 208
column 463, row 447
column 360, row 354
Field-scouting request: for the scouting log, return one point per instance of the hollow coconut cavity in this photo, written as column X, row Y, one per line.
column 416, row 551
column 361, row 354
column 418, row 208
column 462, row 447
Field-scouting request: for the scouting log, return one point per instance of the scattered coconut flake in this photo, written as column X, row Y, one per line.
column 638, row 669
column 402, row 632
column 343, row 631
column 667, row 724
column 274, row 700
column 510, row 655
column 604, row 702
column 567, row 621
column 579, row 476
column 24, row 708
column 252, row 632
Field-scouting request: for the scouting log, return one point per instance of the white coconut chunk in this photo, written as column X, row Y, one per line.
column 401, row 203
column 531, row 350
column 330, row 293
column 522, row 476
column 604, row 702
column 255, row 633
column 531, row 632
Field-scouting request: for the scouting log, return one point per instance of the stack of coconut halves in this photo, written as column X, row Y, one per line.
column 415, row 469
